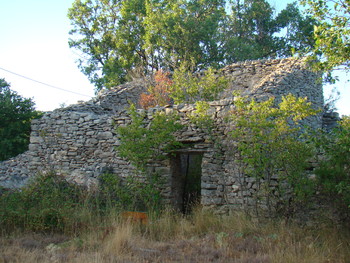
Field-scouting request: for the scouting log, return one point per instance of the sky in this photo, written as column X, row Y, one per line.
column 34, row 44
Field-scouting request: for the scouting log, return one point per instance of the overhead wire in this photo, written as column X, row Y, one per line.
column 45, row 84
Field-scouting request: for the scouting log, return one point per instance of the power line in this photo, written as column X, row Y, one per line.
column 45, row 84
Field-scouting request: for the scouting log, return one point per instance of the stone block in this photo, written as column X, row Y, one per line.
column 104, row 135
column 208, row 186
column 91, row 142
column 208, row 193
column 235, row 188
column 36, row 139
column 162, row 170
column 33, row 147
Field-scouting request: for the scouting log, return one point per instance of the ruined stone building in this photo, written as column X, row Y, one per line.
column 80, row 141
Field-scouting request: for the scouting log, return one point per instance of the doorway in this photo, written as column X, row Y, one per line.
column 186, row 180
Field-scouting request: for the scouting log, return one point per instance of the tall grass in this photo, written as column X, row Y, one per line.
column 91, row 230
column 51, row 204
column 48, row 203
column 236, row 237
column 201, row 237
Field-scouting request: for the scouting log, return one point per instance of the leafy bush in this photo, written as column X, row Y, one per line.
column 159, row 93
column 270, row 145
column 188, row 88
column 140, row 144
column 132, row 193
column 49, row 202
column 333, row 174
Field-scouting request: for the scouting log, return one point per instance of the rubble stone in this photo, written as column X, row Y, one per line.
column 80, row 141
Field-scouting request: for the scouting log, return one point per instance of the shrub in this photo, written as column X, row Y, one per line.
column 188, row 88
column 270, row 144
column 131, row 194
column 49, row 202
column 183, row 87
column 159, row 93
column 333, row 174
column 140, row 144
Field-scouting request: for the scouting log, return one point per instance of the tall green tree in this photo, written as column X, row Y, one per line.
column 181, row 30
column 250, row 31
column 332, row 34
column 95, row 27
column 118, row 37
column 254, row 31
column 299, row 30
column 16, row 114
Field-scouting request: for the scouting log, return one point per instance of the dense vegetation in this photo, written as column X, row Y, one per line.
column 86, row 227
column 333, row 174
column 201, row 237
column 331, row 34
column 270, row 143
column 118, row 39
column 16, row 114
column 50, row 203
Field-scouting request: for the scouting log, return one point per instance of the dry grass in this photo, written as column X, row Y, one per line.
column 202, row 237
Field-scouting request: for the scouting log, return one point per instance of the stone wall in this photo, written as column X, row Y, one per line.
column 80, row 141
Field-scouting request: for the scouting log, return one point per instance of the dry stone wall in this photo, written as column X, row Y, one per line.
column 80, row 141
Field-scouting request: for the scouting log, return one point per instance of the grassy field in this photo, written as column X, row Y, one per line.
column 171, row 237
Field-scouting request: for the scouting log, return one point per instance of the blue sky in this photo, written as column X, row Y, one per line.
column 34, row 43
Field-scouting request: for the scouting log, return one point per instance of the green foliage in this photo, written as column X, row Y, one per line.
column 270, row 144
column 48, row 203
column 131, row 193
column 115, row 38
column 140, row 144
column 299, row 37
column 109, row 35
column 332, row 33
column 254, row 31
column 16, row 114
column 333, row 174
column 202, row 118
column 181, row 30
column 188, row 88
column 111, row 191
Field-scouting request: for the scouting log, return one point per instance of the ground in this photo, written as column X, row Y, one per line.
column 175, row 238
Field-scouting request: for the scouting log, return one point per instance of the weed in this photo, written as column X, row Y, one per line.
column 171, row 237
